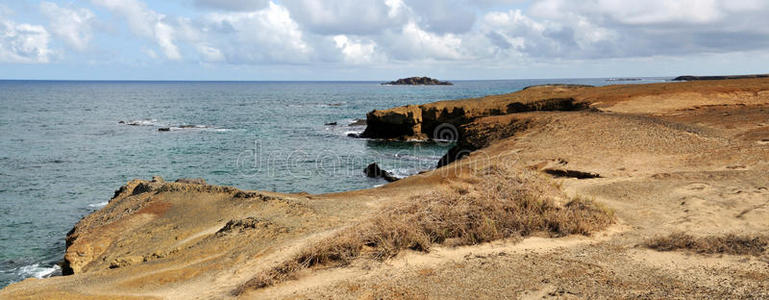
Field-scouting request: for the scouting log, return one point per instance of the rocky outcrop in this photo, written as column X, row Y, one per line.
column 418, row 81
column 430, row 121
column 374, row 171
column 192, row 181
column 132, row 206
column 481, row 134
column 723, row 77
column 241, row 225
column 401, row 122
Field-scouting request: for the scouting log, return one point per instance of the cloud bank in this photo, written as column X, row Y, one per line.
column 379, row 32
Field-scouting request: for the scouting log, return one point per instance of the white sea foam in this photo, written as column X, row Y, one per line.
column 429, row 158
column 404, row 172
column 156, row 123
column 100, row 204
column 356, row 132
column 198, row 128
column 145, row 122
column 35, row 270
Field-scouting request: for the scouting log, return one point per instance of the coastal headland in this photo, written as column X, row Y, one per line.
column 623, row 191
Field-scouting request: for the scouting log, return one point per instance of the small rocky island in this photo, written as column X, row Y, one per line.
column 418, row 81
column 721, row 77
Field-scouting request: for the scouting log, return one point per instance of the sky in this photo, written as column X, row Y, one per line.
column 380, row 39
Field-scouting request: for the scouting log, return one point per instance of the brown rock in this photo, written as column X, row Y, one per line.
column 418, row 81
column 373, row 171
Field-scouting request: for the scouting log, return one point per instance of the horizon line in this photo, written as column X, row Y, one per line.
column 386, row 80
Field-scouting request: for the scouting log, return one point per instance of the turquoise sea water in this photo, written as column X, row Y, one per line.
column 63, row 151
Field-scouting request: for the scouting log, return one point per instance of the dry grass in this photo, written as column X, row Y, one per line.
column 504, row 204
column 728, row 244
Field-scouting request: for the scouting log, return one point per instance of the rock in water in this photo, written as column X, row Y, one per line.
column 374, row 171
column 164, row 129
column 331, row 124
column 358, row 122
column 418, row 81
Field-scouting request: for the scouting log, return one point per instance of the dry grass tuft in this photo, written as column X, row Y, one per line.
column 728, row 244
column 504, row 204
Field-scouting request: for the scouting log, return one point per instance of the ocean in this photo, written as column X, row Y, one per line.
column 65, row 146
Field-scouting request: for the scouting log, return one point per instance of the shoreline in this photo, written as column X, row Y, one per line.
column 635, row 135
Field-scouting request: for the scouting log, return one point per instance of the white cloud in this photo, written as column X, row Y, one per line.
column 146, row 23
column 414, row 43
column 355, row 51
column 23, row 43
column 659, row 27
column 347, row 16
column 634, row 12
column 406, row 32
column 443, row 16
column 234, row 5
column 150, row 53
column 264, row 36
column 210, row 53
column 515, row 32
column 70, row 24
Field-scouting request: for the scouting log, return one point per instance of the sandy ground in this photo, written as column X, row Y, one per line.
column 674, row 157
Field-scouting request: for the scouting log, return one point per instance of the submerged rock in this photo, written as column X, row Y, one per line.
column 374, row 171
column 418, row 81
column 146, row 122
column 358, row 122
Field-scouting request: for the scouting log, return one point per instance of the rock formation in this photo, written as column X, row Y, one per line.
column 418, row 81
column 374, row 171
column 721, row 77
column 422, row 122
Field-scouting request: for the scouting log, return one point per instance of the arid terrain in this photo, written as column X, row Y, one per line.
column 625, row 191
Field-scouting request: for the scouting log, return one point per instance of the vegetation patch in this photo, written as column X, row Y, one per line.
column 503, row 204
column 728, row 244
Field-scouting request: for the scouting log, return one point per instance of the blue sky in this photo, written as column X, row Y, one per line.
column 379, row 39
